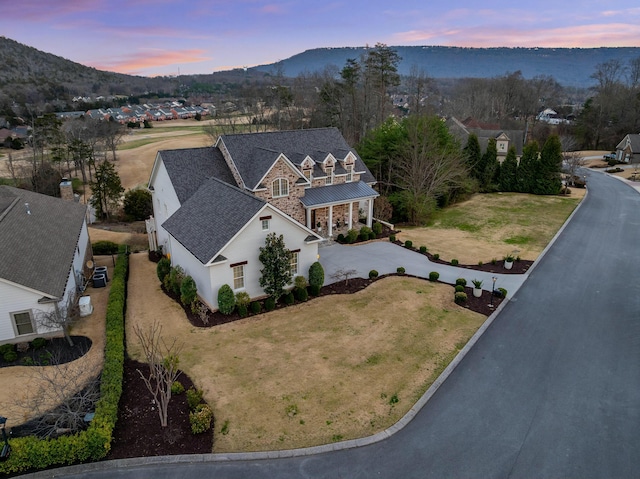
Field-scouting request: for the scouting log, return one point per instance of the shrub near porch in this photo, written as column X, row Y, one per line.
column 334, row 368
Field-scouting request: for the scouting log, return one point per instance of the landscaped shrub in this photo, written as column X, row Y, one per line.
column 340, row 238
column 352, row 236
column 104, row 247
column 436, row 256
column 10, row 356
column 138, row 204
column 459, row 288
column 480, row 263
column 269, row 304
column 423, row 249
column 7, row 348
column 433, row 276
column 313, row 290
column 316, row 277
column 39, row 343
column 454, row 262
column 301, row 294
column 502, row 292
column 176, row 275
column 365, row 231
column 226, row 299
column 93, row 444
column 461, row 281
column 400, row 270
column 408, row 244
column 372, row 235
column 242, row 303
column 289, row 298
column 177, row 388
column 163, row 268
column 256, row 307
column 376, row 228
column 373, row 274
column 494, row 261
column 188, row 291
column 460, row 298
column 194, row 397
column 392, row 238
column 200, row 419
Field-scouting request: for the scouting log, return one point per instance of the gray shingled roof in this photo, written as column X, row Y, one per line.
column 634, row 143
column 206, row 222
column 254, row 153
column 38, row 248
column 337, row 193
column 189, row 168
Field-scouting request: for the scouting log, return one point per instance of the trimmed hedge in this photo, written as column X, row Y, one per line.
column 460, row 298
column 433, row 276
column 104, row 247
column 93, row 444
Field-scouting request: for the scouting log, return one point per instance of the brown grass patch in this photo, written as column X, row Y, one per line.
column 327, row 370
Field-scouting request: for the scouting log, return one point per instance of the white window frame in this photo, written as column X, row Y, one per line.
column 308, row 174
column 15, row 323
column 280, row 188
column 238, row 277
column 294, row 263
column 329, row 179
column 349, row 169
column 265, row 225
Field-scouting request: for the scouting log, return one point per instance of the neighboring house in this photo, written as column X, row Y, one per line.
column 628, row 150
column 214, row 206
column 504, row 138
column 45, row 249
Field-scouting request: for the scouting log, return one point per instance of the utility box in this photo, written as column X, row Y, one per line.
column 86, row 308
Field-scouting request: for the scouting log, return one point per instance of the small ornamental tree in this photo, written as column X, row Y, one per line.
column 138, row 204
column 226, row 299
column 163, row 268
column 276, row 259
column 316, row 277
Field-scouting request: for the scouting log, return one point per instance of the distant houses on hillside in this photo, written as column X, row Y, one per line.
column 141, row 113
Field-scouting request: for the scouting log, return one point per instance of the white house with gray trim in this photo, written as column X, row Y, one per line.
column 45, row 246
column 214, row 206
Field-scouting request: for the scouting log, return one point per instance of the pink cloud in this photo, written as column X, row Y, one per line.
column 600, row 35
column 36, row 10
column 135, row 63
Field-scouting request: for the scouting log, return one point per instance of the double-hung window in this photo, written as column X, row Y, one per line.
column 329, row 179
column 294, row 263
column 238, row 276
column 23, row 323
column 349, row 169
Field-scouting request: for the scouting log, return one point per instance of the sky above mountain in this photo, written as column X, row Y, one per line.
column 170, row 37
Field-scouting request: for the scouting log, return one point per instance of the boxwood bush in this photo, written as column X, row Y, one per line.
column 460, row 298
column 459, row 288
column 373, row 274
column 226, row 299
column 94, row 443
column 433, row 276
column 104, row 247
column 461, row 281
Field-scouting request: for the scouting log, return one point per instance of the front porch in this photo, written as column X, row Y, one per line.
column 335, row 209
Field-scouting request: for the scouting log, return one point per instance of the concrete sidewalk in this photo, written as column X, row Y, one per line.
column 385, row 257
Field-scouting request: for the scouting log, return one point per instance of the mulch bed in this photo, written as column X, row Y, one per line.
column 56, row 351
column 138, row 432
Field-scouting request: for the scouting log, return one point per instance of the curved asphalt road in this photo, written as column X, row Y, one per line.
column 552, row 388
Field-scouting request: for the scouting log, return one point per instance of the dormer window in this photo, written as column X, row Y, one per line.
column 307, row 172
column 329, row 179
column 349, row 169
column 280, row 188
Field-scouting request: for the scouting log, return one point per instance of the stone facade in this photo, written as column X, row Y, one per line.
column 289, row 204
column 230, row 164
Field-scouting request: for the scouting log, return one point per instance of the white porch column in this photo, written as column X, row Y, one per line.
column 309, row 225
column 370, row 214
column 330, row 220
column 350, row 215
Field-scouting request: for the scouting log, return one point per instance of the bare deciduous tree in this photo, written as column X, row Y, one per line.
column 163, row 360
column 63, row 316
column 344, row 275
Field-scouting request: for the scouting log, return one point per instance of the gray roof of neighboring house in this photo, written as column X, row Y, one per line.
column 634, row 142
column 460, row 131
column 213, row 214
column 189, row 168
column 337, row 193
column 38, row 248
column 254, row 153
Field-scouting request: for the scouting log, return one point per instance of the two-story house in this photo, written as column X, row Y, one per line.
column 214, row 206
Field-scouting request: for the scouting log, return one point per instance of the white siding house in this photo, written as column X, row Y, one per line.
column 45, row 245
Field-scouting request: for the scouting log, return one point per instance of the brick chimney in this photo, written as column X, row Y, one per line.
column 66, row 190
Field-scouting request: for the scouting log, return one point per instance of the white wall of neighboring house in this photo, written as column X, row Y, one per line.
column 165, row 203
column 16, row 299
column 245, row 247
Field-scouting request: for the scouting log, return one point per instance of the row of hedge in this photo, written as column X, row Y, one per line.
column 93, row 444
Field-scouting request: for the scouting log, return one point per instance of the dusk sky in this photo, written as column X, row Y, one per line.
column 167, row 37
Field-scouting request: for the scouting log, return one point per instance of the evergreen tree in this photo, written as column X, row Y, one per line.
column 488, row 166
column 508, row 171
column 276, row 259
column 473, row 155
column 527, row 168
column 107, row 189
column 549, row 166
